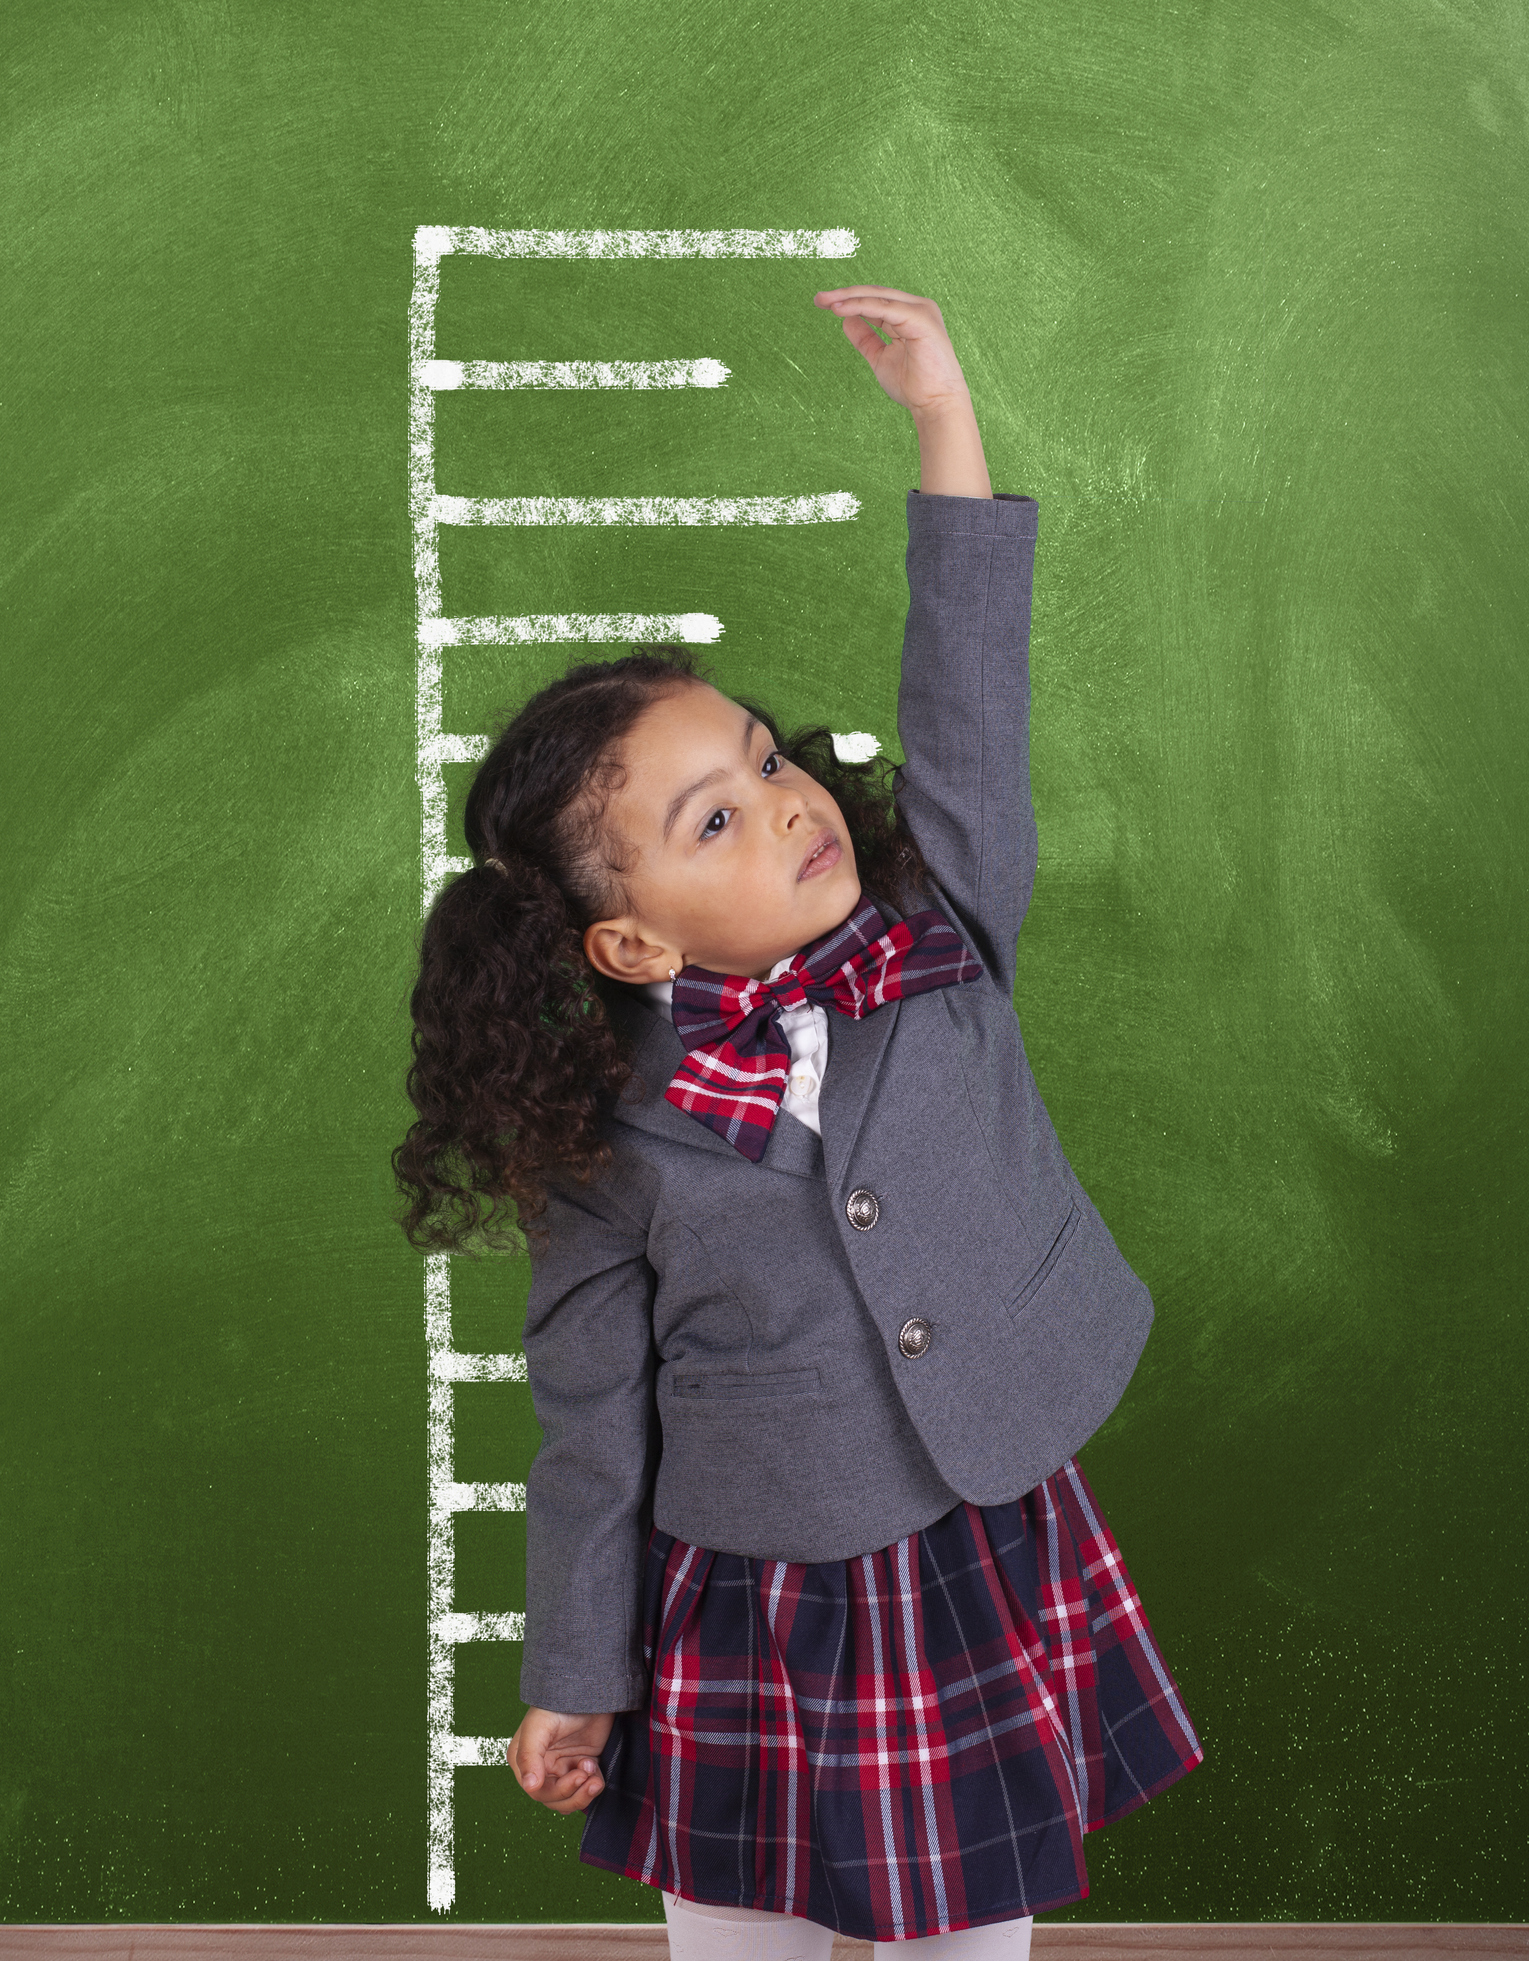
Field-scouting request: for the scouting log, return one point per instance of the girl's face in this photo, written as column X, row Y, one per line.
column 741, row 857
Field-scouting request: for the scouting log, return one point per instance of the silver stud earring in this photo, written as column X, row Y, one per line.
column 672, row 974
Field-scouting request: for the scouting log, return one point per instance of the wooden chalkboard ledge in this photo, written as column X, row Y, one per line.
column 620, row 1941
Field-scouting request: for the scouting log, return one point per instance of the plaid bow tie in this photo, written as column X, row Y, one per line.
column 734, row 1074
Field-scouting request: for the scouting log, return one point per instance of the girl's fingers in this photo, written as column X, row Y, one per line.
column 891, row 313
column 864, row 336
column 558, row 1789
column 832, row 293
column 574, row 1797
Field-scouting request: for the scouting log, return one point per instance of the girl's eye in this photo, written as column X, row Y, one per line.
column 716, row 824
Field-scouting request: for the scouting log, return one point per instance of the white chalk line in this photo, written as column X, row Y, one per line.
column 528, row 628
column 480, row 1627
column 448, row 867
column 448, row 1365
column 448, row 1628
column 433, row 242
column 451, row 1497
column 463, row 1752
column 433, row 749
column 443, row 376
column 832, row 507
column 437, row 750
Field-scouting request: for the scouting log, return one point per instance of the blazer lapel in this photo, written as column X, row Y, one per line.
column 855, row 1053
column 793, row 1147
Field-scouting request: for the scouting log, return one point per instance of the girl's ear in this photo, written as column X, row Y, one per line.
column 615, row 948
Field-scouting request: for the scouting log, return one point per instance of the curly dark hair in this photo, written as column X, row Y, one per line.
column 515, row 1059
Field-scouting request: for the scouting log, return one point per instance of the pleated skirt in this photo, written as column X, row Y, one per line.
column 901, row 1744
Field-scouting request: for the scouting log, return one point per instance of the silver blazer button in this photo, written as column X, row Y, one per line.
column 914, row 1337
column 862, row 1210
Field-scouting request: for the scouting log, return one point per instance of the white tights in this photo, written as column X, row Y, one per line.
column 713, row 1933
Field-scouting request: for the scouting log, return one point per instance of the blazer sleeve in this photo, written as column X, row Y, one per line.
column 591, row 1364
column 963, row 712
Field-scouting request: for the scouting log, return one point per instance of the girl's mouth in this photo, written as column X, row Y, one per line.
column 823, row 856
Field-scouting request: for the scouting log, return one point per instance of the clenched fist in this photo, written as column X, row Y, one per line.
column 555, row 1758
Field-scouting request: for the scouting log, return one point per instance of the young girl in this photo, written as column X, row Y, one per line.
column 825, row 1629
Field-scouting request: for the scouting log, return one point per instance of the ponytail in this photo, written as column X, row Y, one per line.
column 515, row 1061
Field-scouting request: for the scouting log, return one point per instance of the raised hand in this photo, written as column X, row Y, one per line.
column 916, row 364
column 555, row 1758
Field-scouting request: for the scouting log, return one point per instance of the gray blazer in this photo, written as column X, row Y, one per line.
column 715, row 1346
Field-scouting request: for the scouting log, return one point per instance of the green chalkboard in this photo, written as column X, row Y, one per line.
column 1240, row 292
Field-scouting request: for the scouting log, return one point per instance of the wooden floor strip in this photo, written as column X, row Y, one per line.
column 594, row 1941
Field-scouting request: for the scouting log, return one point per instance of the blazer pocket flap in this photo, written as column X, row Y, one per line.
column 1048, row 1260
column 737, row 1383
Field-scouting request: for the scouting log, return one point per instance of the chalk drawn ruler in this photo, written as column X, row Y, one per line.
column 436, row 747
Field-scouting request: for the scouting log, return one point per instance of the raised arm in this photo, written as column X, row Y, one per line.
column 963, row 706
column 963, row 712
column 592, row 1365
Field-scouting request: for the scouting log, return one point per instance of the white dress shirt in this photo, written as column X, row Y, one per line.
column 805, row 1027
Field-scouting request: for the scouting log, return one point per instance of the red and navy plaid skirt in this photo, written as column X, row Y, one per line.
column 901, row 1744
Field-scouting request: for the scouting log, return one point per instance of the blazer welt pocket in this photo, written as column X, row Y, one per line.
column 739, row 1383
column 1058, row 1246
